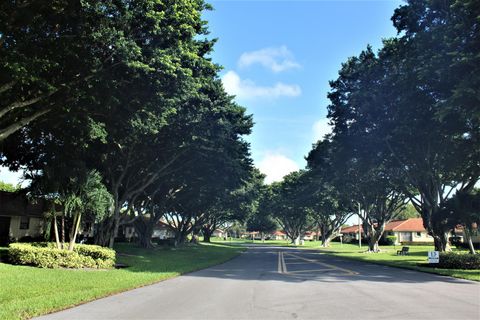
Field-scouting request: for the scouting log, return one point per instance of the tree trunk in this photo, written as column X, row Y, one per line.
column 441, row 242
column 374, row 236
column 180, row 238
column 73, row 233
column 207, row 234
column 102, row 234
column 145, row 231
column 469, row 240
column 55, row 230
column 325, row 243
column 115, row 225
column 63, row 231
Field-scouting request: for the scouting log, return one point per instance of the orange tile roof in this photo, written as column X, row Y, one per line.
column 352, row 229
column 414, row 225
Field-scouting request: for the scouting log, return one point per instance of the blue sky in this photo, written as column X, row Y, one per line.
column 278, row 57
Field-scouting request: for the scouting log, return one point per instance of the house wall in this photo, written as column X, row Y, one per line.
column 416, row 237
column 35, row 228
column 163, row 234
column 217, row 233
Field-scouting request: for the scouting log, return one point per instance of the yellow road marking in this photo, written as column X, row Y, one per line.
column 315, row 270
column 279, row 262
column 331, row 266
column 284, row 266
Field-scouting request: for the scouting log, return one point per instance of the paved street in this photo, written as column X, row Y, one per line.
column 282, row 283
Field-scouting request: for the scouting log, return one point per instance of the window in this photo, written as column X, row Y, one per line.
column 24, row 223
column 418, row 234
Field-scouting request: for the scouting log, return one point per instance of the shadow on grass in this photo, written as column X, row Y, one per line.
column 178, row 260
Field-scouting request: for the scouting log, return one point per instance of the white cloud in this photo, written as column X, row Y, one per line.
column 320, row 128
column 276, row 165
column 247, row 89
column 276, row 59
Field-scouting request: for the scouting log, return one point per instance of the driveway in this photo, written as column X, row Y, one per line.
column 284, row 283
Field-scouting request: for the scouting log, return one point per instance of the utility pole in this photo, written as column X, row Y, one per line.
column 359, row 228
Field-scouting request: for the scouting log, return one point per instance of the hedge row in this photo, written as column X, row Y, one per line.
column 451, row 260
column 46, row 255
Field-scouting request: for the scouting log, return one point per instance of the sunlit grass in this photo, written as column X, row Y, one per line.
column 28, row 291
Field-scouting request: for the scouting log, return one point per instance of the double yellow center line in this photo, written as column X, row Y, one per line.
column 282, row 267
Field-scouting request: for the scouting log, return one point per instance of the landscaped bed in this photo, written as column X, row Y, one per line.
column 29, row 291
column 46, row 255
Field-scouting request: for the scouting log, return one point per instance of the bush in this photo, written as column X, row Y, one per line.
column 464, row 245
column 388, row 240
column 46, row 255
column 452, row 260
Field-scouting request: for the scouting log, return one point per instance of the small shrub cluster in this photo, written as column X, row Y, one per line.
column 465, row 245
column 46, row 255
column 388, row 240
column 452, row 260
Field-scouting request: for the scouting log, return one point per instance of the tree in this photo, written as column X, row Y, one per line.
column 441, row 108
column 89, row 196
column 8, row 187
column 261, row 223
column 153, row 107
column 287, row 206
column 384, row 99
column 235, row 206
column 407, row 212
column 51, row 56
column 464, row 209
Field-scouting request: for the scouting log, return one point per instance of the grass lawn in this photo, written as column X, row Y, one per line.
column 27, row 291
column 387, row 256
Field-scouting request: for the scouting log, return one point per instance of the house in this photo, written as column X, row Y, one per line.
column 20, row 217
column 278, row 235
column 351, row 233
column 409, row 231
column 309, row 236
column 161, row 231
column 219, row 233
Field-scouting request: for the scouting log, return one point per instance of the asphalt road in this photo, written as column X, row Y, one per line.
column 282, row 283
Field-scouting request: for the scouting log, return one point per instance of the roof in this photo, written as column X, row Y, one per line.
column 412, row 225
column 279, row 233
column 352, row 229
column 17, row 204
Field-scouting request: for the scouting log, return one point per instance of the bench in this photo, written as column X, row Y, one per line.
column 403, row 252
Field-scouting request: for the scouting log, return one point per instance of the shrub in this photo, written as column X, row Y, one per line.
column 46, row 255
column 465, row 245
column 452, row 260
column 388, row 240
